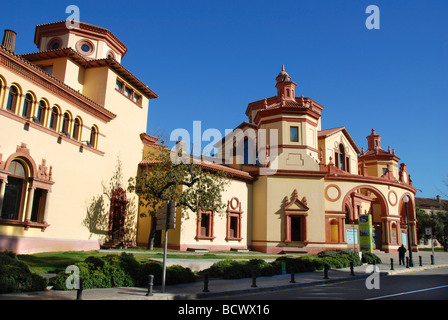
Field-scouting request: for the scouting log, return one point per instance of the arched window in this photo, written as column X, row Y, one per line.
column 77, row 129
column 66, row 124
column 41, row 112
column 54, row 118
column 394, row 235
column 94, row 137
column 27, row 105
column 342, row 158
column 12, row 99
column 13, row 199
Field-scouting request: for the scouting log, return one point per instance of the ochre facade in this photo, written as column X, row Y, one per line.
column 317, row 185
column 69, row 113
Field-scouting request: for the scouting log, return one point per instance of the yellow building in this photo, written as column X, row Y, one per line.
column 307, row 189
column 68, row 114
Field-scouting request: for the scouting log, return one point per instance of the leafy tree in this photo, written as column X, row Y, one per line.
column 189, row 183
column 438, row 221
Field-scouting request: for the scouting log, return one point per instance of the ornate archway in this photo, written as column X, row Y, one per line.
column 366, row 199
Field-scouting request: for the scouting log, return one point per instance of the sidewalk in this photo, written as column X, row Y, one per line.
column 218, row 287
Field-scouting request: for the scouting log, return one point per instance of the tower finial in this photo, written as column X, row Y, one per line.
column 283, row 67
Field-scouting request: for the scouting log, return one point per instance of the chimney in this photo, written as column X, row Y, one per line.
column 439, row 199
column 9, row 40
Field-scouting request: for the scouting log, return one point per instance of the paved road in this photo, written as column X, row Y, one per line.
column 425, row 285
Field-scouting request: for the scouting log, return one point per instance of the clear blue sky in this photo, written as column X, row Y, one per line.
column 207, row 59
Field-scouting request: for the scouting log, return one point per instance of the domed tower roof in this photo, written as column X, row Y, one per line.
column 283, row 76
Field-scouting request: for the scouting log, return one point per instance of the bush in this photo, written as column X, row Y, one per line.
column 122, row 271
column 370, row 258
column 174, row 274
column 15, row 276
column 233, row 269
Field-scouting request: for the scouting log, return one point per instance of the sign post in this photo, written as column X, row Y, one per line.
column 428, row 232
column 166, row 219
column 365, row 232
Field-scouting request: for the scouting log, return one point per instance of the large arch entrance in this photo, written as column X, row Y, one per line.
column 361, row 200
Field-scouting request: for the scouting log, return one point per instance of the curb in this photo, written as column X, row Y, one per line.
column 205, row 295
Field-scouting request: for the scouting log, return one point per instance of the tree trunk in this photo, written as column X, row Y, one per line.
column 152, row 235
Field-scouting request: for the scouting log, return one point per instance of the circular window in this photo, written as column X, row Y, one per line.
column 54, row 44
column 85, row 47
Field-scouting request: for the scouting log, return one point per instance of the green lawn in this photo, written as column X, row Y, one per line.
column 54, row 262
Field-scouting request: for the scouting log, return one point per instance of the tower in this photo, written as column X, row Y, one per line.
column 285, row 87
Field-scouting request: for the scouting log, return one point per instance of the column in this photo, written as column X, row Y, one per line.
column 2, row 193
column 29, row 205
column 47, row 202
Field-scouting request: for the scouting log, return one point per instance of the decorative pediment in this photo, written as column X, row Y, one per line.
column 294, row 204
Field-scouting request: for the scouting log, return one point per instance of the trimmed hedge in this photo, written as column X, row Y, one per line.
column 231, row 269
column 234, row 269
column 122, row 271
column 370, row 258
column 15, row 276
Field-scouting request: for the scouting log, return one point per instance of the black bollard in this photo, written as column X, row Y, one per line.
column 292, row 276
column 420, row 260
column 79, row 290
column 326, row 272
column 150, row 284
column 205, row 283
column 407, row 262
column 391, row 264
column 352, row 272
column 432, row 259
column 254, row 279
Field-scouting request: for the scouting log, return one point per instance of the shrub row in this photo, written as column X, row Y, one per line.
column 15, row 276
column 122, row 271
column 231, row 269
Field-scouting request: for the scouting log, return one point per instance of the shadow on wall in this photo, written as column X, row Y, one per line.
column 98, row 217
column 98, row 213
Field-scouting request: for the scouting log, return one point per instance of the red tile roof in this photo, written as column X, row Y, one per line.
column 110, row 62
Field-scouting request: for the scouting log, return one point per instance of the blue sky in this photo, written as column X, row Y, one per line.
column 207, row 59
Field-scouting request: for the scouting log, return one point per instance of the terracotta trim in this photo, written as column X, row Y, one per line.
column 61, row 137
column 287, row 119
column 337, row 188
column 85, row 30
column 282, row 110
column 25, row 224
column 47, row 82
column 292, row 146
column 370, row 179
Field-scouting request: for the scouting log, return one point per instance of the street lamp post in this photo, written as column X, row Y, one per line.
column 406, row 200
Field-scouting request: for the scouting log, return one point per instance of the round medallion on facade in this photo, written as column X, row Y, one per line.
column 234, row 203
column 332, row 192
column 392, row 197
